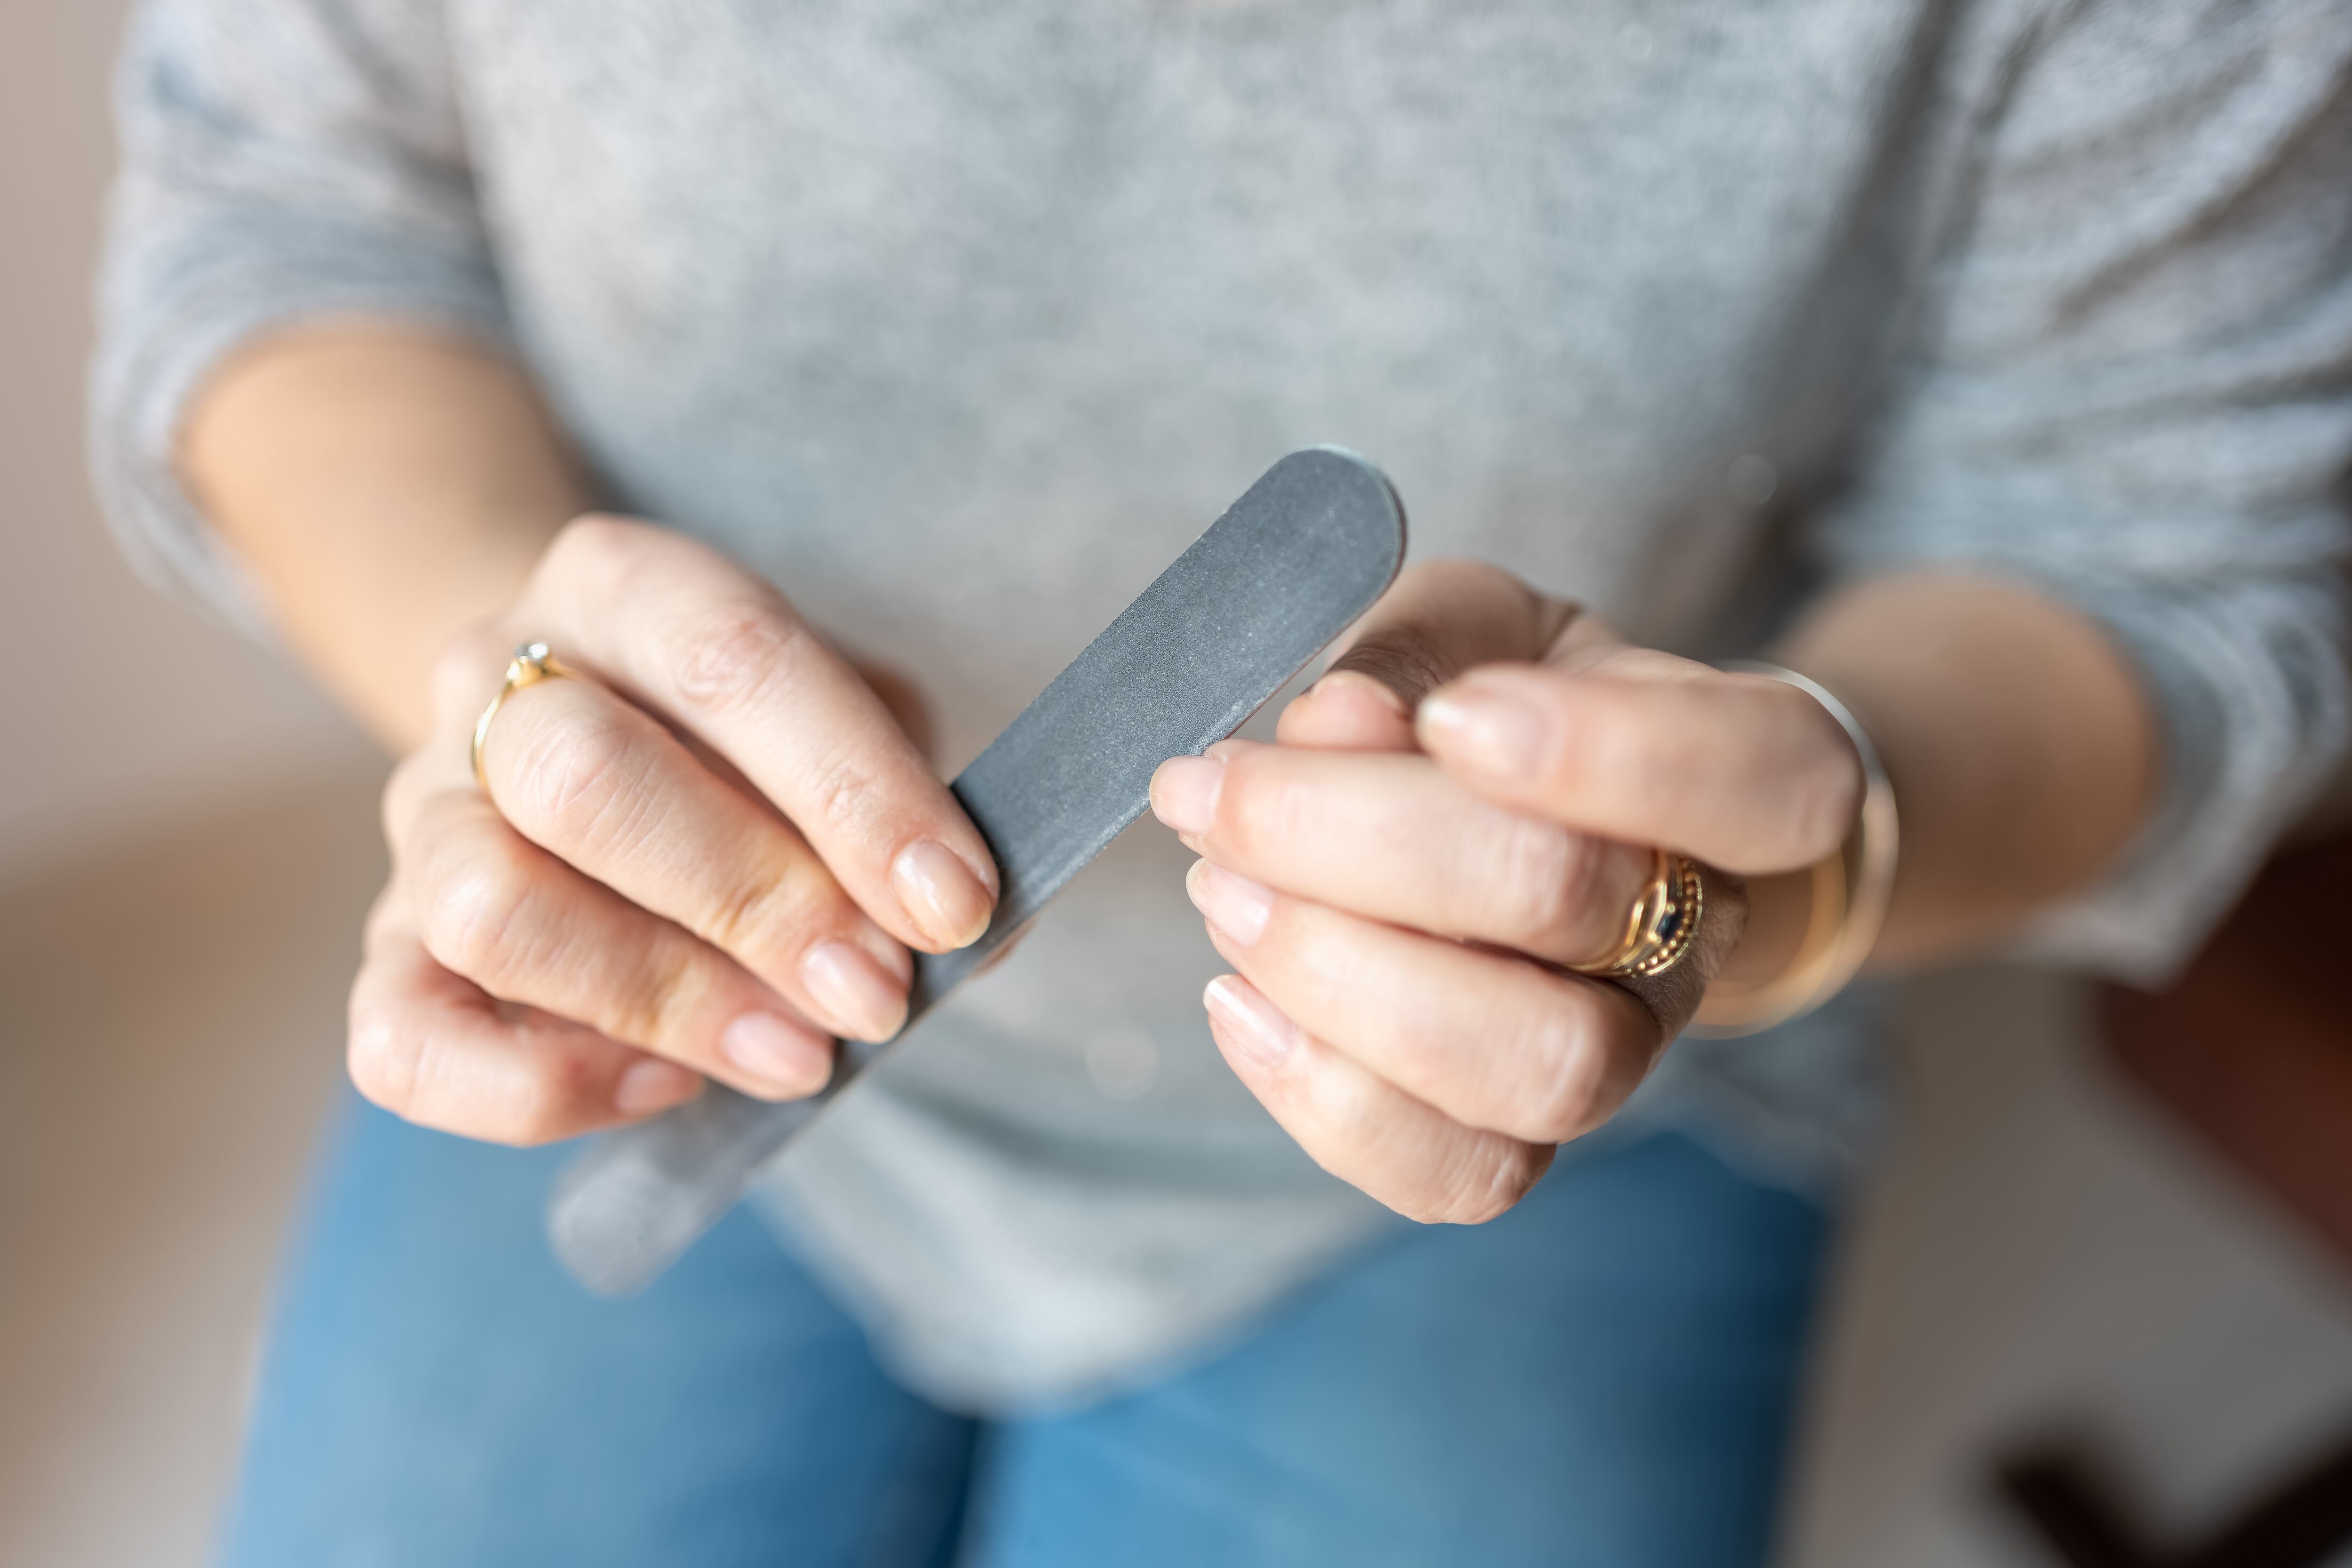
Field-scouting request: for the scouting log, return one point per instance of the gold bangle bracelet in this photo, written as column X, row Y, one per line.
column 1851, row 889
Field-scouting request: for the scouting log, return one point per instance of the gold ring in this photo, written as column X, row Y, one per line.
column 531, row 664
column 1662, row 924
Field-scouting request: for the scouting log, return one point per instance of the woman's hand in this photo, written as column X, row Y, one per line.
column 708, row 857
column 1465, row 805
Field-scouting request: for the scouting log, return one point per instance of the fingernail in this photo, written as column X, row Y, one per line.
column 649, row 1086
column 852, row 990
column 1234, row 905
column 1253, row 1026
column 1488, row 725
column 782, row 1055
column 941, row 894
column 1184, row 792
column 1378, row 690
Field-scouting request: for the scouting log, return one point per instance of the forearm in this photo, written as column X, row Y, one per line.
column 387, row 484
column 2022, row 746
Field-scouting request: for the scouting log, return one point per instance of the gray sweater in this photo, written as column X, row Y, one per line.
column 959, row 317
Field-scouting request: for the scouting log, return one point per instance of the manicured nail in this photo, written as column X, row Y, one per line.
column 856, row 997
column 941, row 895
column 786, row 1057
column 1253, row 1026
column 1184, row 792
column 1234, row 905
column 1375, row 690
column 652, row 1085
column 1487, row 724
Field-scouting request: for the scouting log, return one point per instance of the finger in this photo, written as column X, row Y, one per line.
column 1750, row 775
column 1491, row 1041
column 495, row 908
column 1443, row 617
column 1348, row 711
column 442, row 1052
column 600, row 784
column 1392, row 837
column 1362, row 1128
column 1439, row 619
column 681, row 630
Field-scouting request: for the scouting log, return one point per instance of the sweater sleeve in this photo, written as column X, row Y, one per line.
column 282, row 160
column 2136, row 396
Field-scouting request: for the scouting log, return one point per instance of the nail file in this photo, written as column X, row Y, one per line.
column 1287, row 569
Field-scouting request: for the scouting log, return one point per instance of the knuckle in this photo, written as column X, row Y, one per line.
column 1347, row 1110
column 844, row 793
column 744, row 913
column 582, row 783
column 473, row 908
column 767, row 910
column 1541, row 878
column 594, row 552
column 729, row 655
column 381, row 1055
column 432, row 1068
column 1261, row 805
column 540, row 1105
column 1490, row 1181
column 1567, row 1079
column 657, row 1004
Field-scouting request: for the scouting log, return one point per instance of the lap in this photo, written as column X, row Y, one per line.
column 1605, row 1375
column 437, row 1389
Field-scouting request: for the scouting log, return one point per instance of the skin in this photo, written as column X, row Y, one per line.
column 713, row 856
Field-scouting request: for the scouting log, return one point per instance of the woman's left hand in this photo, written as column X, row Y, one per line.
column 1462, row 806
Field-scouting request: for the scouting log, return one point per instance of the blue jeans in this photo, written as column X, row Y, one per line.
column 1603, row 1376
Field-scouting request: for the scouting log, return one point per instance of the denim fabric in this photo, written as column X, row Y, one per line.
column 1605, row 1375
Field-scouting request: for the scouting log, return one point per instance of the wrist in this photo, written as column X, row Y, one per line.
column 2020, row 742
column 385, row 485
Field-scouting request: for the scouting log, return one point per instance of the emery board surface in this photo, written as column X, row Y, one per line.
column 1287, row 569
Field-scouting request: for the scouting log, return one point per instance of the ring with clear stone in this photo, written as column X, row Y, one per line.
column 531, row 664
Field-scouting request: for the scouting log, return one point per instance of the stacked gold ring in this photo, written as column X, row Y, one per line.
column 1662, row 924
column 532, row 663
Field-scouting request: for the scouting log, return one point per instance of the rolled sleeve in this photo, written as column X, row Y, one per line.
column 282, row 160
column 2137, row 397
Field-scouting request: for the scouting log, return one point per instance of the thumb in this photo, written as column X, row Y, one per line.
column 1746, row 773
column 1441, row 618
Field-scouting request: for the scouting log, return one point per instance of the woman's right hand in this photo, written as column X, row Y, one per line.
column 708, row 857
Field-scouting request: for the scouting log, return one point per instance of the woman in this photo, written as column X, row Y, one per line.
column 1987, row 359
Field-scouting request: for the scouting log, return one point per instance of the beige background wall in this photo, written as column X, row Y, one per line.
column 117, row 722
column 184, row 849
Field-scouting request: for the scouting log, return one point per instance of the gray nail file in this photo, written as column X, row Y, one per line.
column 1287, row 569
